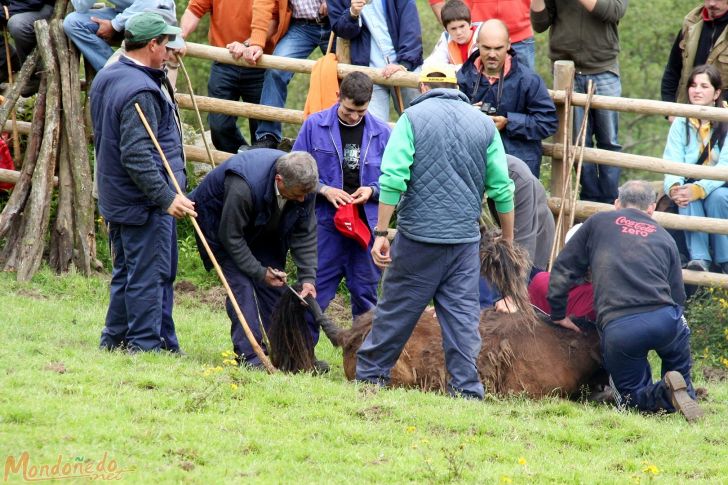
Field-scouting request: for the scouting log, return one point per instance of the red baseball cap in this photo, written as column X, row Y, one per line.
column 349, row 223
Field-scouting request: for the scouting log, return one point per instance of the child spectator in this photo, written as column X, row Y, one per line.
column 460, row 38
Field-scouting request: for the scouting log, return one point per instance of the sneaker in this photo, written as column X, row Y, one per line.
column 724, row 267
column 678, row 391
column 698, row 265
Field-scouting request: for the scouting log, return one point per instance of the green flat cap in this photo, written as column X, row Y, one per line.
column 147, row 25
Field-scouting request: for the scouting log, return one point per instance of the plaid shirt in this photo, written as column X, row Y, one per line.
column 305, row 9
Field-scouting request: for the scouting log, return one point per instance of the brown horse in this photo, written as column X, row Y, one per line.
column 520, row 353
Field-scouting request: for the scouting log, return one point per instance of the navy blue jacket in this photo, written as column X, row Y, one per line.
column 525, row 101
column 295, row 229
column 402, row 22
column 132, row 179
column 320, row 136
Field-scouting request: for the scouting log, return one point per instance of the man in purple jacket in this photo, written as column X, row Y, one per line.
column 347, row 143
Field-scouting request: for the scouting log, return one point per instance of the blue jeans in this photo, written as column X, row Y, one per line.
column 715, row 205
column 298, row 43
column 145, row 265
column 625, row 344
column 82, row 32
column 420, row 272
column 599, row 183
column 232, row 83
column 526, row 52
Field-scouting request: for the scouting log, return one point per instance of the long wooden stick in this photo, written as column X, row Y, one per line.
column 197, row 111
column 251, row 338
column 582, row 144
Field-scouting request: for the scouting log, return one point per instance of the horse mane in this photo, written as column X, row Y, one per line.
column 290, row 342
column 506, row 265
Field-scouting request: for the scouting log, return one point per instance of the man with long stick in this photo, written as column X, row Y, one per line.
column 136, row 197
column 253, row 209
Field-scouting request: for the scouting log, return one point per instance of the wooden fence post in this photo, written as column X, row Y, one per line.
column 563, row 81
column 563, row 76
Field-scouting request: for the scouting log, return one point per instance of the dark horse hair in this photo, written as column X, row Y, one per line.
column 290, row 340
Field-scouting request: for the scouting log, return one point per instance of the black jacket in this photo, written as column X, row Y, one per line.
column 634, row 262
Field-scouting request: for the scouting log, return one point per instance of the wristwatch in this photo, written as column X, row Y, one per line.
column 378, row 233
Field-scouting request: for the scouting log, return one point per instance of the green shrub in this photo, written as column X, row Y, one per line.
column 707, row 314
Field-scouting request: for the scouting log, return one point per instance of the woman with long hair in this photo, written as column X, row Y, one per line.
column 700, row 142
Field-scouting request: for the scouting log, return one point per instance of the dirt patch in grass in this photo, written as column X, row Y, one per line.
column 57, row 367
column 715, row 374
column 212, row 297
column 31, row 293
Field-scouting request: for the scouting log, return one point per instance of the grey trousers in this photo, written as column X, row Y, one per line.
column 420, row 272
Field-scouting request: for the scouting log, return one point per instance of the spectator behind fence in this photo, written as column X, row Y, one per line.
column 92, row 30
column 230, row 27
column 20, row 16
column 304, row 25
column 384, row 34
column 700, row 142
column 460, row 38
column 701, row 40
column 513, row 95
column 585, row 32
column 514, row 13
column 347, row 143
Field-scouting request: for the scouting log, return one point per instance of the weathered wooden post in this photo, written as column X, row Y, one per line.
column 563, row 81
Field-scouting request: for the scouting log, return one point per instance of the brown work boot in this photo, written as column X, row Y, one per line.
column 678, row 390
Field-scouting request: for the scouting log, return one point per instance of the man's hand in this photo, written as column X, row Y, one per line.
column 361, row 195
column 338, row 197
column 308, row 289
column 236, row 49
column 323, row 10
column 356, row 7
column 568, row 324
column 252, row 53
column 390, row 69
column 380, row 252
column 506, row 305
column 106, row 31
column 500, row 122
column 274, row 277
column 181, row 206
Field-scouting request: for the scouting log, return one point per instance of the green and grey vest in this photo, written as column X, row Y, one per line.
column 447, row 178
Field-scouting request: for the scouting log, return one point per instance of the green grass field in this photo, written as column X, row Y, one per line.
column 196, row 419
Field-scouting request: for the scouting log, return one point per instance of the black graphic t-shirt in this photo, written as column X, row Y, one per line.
column 351, row 143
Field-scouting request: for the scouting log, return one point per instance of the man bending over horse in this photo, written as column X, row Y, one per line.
column 639, row 298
